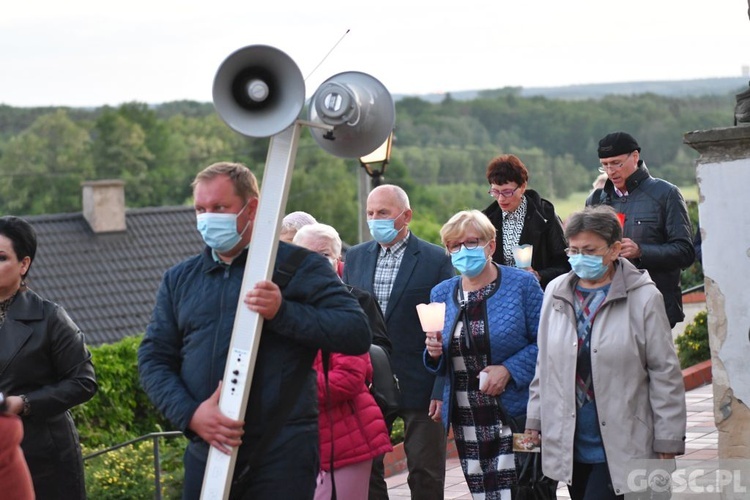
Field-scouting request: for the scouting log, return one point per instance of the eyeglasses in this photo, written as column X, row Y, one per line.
column 469, row 244
column 615, row 165
column 505, row 193
column 577, row 251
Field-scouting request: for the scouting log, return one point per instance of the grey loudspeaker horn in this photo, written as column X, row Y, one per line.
column 258, row 91
column 359, row 108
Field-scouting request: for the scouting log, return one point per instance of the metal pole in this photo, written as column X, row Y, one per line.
column 363, row 191
column 157, row 469
column 243, row 347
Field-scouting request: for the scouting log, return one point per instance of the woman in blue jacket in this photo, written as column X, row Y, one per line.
column 501, row 307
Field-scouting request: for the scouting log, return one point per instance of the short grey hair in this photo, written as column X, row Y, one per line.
column 320, row 232
column 296, row 220
column 600, row 220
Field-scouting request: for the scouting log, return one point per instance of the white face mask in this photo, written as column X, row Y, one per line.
column 219, row 231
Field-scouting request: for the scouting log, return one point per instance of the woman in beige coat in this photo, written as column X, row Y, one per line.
column 608, row 392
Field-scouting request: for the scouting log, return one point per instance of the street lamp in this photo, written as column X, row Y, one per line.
column 373, row 167
column 375, row 162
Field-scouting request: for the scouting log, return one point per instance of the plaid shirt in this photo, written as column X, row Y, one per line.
column 386, row 269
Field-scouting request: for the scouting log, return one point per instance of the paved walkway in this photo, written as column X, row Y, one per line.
column 701, row 444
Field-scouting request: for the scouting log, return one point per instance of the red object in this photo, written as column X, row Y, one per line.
column 15, row 479
column 621, row 218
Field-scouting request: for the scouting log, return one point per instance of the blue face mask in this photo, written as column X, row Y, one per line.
column 383, row 230
column 588, row 267
column 219, row 231
column 469, row 262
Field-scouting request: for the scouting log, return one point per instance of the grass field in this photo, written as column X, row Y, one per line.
column 576, row 201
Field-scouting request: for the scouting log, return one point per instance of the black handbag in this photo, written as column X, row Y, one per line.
column 532, row 483
column 384, row 384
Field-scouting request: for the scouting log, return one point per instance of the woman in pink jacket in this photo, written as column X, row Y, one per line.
column 351, row 426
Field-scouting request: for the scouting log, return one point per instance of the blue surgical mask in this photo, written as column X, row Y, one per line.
column 588, row 267
column 469, row 262
column 383, row 230
column 219, row 231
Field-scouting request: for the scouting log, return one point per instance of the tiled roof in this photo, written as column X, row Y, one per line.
column 108, row 282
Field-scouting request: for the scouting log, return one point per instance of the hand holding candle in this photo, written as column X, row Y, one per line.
column 434, row 343
column 432, row 318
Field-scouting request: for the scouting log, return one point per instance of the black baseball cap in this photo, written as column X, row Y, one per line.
column 616, row 144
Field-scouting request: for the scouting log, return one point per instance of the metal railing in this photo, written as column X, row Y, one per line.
column 155, row 436
column 694, row 289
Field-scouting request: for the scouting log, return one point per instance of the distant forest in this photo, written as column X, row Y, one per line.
column 440, row 152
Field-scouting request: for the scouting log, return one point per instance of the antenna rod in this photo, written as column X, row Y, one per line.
column 328, row 54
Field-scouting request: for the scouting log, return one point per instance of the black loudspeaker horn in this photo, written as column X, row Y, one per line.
column 359, row 108
column 258, row 91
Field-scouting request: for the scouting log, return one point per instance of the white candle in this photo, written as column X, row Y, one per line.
column 432, row 316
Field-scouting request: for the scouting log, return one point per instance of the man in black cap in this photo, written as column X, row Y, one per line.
column 657, row 235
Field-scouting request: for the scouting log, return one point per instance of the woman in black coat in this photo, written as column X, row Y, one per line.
column 45, row 369
column 522, row 217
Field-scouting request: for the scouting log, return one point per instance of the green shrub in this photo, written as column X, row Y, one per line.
column 128, row 472
column 397, row 433
column 120, row 410
column 692, row 345
column 692, row 275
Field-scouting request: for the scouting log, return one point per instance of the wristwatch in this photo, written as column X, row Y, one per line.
column 26, row 410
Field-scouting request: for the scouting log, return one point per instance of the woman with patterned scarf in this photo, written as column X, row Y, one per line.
column 522, row 217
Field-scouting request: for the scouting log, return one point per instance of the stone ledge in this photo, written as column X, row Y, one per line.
column 697, row 375
column 694, row 297
column 395, row 461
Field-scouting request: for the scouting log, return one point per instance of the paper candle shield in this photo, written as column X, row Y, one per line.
column 522, row 255
column 432, row 316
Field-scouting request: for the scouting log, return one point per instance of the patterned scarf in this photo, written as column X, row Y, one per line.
column 587, row 305
column 512, row 227
column 4, row 305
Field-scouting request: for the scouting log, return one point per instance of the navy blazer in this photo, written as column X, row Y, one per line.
column 423, row 266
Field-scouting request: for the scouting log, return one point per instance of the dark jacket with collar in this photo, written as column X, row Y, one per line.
column 423, row 266
column 542, row 229
column 656, row 219
column 43, row 355
column 184, row 352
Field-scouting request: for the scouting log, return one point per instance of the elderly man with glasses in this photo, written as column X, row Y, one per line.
column 656, row 227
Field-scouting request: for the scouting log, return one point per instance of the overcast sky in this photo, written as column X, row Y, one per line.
column 91, row 53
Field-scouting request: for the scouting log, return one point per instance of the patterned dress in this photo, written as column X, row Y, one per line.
column 484, row 444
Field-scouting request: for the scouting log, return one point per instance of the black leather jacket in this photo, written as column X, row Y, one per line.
column 656, row 219
column 541, row 228
column 43, row 355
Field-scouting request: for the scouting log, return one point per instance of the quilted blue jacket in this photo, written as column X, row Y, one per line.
column 512, row 313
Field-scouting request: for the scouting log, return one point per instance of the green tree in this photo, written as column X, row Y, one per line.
column 120, row 152
column 42, row 168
